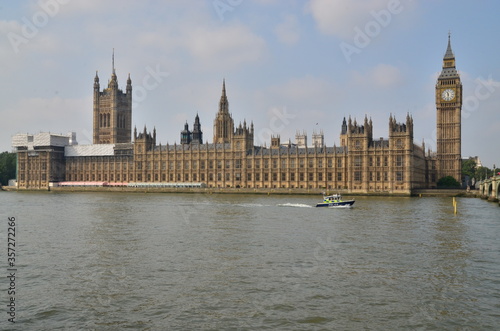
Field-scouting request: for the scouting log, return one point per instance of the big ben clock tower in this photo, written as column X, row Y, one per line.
column 448, row 109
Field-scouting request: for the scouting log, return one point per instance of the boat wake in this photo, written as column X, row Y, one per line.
column 342, row 207
column 249, row 205
column 297, row 205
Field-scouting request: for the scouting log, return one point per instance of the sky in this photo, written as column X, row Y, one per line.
column 289, row 65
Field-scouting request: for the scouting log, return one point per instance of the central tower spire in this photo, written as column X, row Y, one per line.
column 113, row 83
column 223, row 123
column 113, row 62
column 223, row 104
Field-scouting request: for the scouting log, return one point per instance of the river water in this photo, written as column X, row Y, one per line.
column 106, row 261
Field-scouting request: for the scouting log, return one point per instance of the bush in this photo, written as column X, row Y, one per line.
column 448, row 181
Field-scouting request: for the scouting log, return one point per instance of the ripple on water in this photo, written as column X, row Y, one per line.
column 213, row 262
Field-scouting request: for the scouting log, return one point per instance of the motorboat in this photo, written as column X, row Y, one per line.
column 335, row 200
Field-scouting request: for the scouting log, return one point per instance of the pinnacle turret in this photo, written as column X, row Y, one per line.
column 96, row 82
column 129, row 86
column 344, row 127
column 197, row 134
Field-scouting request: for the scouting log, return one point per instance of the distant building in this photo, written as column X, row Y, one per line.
column 41, row 158
column 360, row 164
column 301, row 139
column 318, row 139
column 476, row 160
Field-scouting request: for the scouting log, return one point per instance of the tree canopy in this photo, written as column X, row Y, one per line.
column 448, row 181
column 7, row 167
column 469, row 168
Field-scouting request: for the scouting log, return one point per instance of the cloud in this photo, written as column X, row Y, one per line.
column 57, row 115
column 267, row 2
column 224, row 47
column 385, row 75
column 288, row 30
column 94, row 7
column 340, row 17
column 306, row 89
column 7, row 44
column 28, row 31
column 296, row 104
column 181, row 39
column 381, row 76
column 64, row 114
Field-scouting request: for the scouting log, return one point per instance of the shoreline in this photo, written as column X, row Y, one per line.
column 259, row 191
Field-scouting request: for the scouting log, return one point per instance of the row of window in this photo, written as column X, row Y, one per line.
column 193, row 165
column 211, row 164
column 301, row 176
column 379, row 161
column 227, row 164
column 33, row 166
column 123, row 166
column 105, row 121
column 42, row 177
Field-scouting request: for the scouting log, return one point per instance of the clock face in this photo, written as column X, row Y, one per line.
column 448, row 95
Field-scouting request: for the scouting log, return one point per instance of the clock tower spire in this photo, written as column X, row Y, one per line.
column 449, row 120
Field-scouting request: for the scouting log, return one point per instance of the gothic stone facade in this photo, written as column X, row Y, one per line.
column 359, row 165
column 112, row 112
column 449, row 117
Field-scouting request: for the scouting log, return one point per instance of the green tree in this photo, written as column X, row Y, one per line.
column 483, row 173
column 448, row 181
column 469, row 168
column 7, row 167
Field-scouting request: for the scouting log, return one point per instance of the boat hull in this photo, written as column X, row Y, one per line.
column 347, row 203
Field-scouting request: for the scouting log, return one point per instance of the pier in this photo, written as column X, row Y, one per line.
column 490, row 188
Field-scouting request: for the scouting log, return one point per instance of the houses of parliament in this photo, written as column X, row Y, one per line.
column 360, row 164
